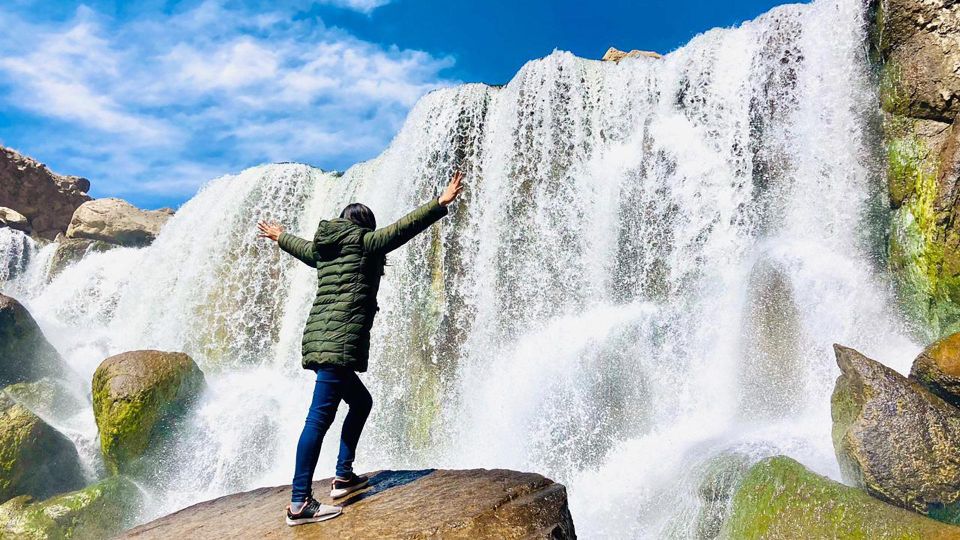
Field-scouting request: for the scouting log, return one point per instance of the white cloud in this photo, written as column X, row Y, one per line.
column 363, row 6
column 160, row 101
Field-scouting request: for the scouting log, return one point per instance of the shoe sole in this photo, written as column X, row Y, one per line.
column 343, row 492
column 315, row 519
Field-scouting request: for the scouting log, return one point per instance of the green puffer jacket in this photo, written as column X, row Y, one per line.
column 349, row 261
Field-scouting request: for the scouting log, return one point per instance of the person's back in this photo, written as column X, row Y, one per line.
column 349, row 254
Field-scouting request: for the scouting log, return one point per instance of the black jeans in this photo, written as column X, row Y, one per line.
column 333, row 384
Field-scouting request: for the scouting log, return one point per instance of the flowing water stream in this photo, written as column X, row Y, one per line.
column 646, row 272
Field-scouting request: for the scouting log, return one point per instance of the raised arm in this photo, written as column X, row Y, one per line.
column 292, row 244
column 399, row 233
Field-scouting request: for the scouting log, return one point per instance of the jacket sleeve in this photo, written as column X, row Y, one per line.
column 299, row 248
column 399, row 233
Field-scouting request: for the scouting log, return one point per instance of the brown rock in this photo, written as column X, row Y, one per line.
column 46, row 199
column 615, row 55
column 920, row 39
column 13, row 219
column 894, row 438
column 71, row 250
column 118, row 222
column 938, row 369
column 474, row 504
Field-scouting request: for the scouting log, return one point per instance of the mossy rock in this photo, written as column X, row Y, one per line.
column 25, row 353
column 937, row 368
column 719, row 478
column 780, row 498
column 47, row 398
column 137, row 397
column 100, row 510
column 894, row 438
column 35, row 459
column 71, row 250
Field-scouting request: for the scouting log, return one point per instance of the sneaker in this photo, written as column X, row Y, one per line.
column 341, row 487
column 311, row 512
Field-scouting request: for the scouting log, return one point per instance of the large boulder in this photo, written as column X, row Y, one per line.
column 46, row 199
column 118, row 222
column 137, row 396
column 35, row 459
column 894, row 438
column 100, row 510
column 780, row 498
column 937, row 368
column 13, row 219
column 474, row 504
column 25, row 353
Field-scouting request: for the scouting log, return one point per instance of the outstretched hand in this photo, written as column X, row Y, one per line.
column 269, row 229
column 453, row 189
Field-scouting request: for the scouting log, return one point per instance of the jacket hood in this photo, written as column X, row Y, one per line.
column 335, row 231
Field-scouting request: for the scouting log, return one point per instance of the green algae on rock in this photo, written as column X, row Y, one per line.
column 100, row 510
column 35, row 459
column 894, row 438
column 780, row 498
column 135, row 396
column 937, row 368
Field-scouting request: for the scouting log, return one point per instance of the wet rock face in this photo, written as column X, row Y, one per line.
column 25, row 354
column 895, row 439
column 35, row 459
column 780, row 498
column 921, row 42
column 474, row 504
column 45, row 198
column 136, row 395
column 100, row 510
column 71, row 250
column 117, row 222
column 937, row 368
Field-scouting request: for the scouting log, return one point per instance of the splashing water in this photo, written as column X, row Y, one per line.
column 646, row 272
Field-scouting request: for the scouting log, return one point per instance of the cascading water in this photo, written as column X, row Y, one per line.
column 646, row 272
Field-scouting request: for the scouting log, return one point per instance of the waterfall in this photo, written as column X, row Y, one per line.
column 646, row 273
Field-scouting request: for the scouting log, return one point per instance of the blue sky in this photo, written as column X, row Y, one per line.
column 151, row 99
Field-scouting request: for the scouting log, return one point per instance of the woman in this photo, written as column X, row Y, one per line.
column 349, row 254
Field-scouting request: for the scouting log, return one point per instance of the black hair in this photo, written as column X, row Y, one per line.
column 360, row 214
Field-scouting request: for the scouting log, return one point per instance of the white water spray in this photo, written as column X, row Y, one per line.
column 647, row 271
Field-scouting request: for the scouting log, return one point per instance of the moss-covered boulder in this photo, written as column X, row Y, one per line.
column 720, row 477
column 937, row 368
column 71, row 250
column 35, row 459
column 25, row 353
column 780, row 498
column 895, row 438
column 47, row 397
column 98, row 511
column 137, row 397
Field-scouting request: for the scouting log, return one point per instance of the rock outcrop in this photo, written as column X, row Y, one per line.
column 136, row 396
column 117, row 222
column 894, row 438
column 47, row 398
column 780, row 498
column 917, row 43
column 13, row 219
column 25, row 353
column 937, row 368
column 615, row 55
column 474, row 504
column 45, row 198
column 35, row 459
column 100, row 510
